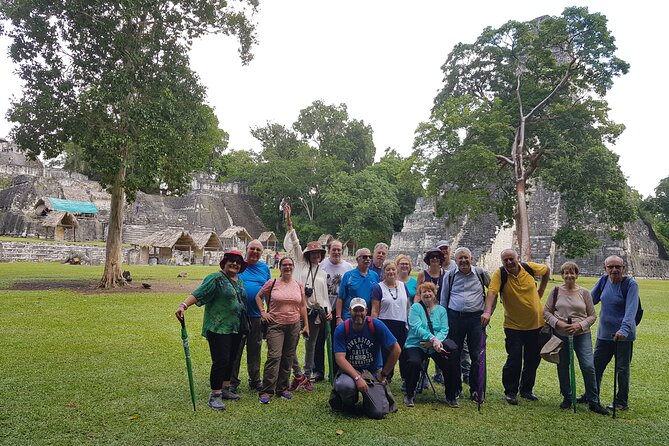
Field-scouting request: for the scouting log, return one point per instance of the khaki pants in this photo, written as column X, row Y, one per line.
column 281, row 346
column 253, row 343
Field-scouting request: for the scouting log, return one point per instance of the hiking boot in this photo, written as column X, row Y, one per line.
column 529, row 396
column 409, row 401
column 255, row 385
column 474, row 395
column 298, row 381
column 618, row 406
column 511, row 399
column 317, row 378
column 452, row 403
column 215, row 401
column 565, row 404
column 598, row 408
column 228, row 394
column 582, row 399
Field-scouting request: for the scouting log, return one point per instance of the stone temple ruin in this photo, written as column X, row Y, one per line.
column 486, row 238
column 53, row 204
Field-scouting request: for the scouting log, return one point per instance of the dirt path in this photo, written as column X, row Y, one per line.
column 91, row 287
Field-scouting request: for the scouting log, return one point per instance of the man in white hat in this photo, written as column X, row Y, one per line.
column 357, row 346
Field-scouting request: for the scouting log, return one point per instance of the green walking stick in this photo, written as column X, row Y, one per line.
column 572, row 369
column 189, row 366
column 328, row 344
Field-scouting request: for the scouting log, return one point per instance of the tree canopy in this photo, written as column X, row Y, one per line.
column 114, row 79
column 324, row 165
column 525, row 102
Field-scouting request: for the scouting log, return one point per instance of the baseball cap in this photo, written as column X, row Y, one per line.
column 358, row 302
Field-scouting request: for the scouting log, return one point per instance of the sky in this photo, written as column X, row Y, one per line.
column 382, row 59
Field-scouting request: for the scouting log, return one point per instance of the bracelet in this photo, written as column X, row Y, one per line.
column 356, row 378
column 183, row 304
column 488, row 312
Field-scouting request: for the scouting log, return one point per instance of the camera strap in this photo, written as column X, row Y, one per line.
column 312, row 274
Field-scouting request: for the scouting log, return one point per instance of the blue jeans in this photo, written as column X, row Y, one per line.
column 583, row 350
column 604, row 351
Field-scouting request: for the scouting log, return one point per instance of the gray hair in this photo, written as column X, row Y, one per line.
column 360, row 252
column 461, row 250
column 380, row 245
column 389, row 262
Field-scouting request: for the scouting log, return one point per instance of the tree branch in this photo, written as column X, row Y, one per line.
column 504, row 160
column 557, row 88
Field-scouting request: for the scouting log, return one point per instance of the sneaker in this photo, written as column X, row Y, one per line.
column 317, row 378
column 264, row 399
column 286, row 395
column 598, row 408
column 511, row 399
column 618, row 406
column 307, row 385
column 216, row 402
column 582, row 399
column 452, row 403
column 408, row 401
column 438, row 378
column 529, row 396
column 474, row 395
column 403, row 387
column 565, row 404
column 228, row 394
column 298, row 381
column 255, row 385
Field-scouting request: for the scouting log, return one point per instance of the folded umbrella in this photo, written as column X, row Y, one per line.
column 482, row 372
column 572, row 369
column 328, row 344
column 189, row 366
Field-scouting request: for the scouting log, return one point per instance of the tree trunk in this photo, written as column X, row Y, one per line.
column 523, row 224
column 112, row 276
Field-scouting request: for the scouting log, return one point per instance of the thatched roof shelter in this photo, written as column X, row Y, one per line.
column 325, row 240
column 237, row 231
column 207, row 240
column 60, row 218
column 267, row 236
column 169, row 238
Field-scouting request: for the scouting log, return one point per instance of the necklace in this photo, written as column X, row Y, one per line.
column 393, row 295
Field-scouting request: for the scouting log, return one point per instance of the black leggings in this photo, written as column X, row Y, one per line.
column 223, row 349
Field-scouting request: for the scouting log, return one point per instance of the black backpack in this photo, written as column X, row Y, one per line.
column 505, row 274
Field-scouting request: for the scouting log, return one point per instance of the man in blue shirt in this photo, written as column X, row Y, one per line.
column 617, row 326
column 359, row 282
column 463, row 296
column 357, row 347
column 254, row 277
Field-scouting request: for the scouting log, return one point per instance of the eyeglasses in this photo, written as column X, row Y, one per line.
column 365, row 257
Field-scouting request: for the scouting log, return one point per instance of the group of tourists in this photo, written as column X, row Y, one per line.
column 377, row 315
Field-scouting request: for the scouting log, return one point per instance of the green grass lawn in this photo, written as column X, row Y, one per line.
column 108, row 368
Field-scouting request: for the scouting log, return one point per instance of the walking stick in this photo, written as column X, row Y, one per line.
column 328, row 345
column 572, row 369
column 189, row 366
column 482, row 372
column 615, row 375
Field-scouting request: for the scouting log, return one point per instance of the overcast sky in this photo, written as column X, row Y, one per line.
column 383, row 58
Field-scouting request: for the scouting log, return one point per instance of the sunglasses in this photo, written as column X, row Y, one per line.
column 236, row 260
column 365, row 257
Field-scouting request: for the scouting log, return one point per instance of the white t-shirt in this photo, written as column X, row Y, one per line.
column 335, row 273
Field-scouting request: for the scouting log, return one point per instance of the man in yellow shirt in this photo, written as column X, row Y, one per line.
column 523, row 318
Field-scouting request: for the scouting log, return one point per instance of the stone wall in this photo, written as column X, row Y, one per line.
column 53, row 252
column 486, row 238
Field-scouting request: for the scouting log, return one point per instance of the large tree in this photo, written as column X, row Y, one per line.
column 526, row 100
column 114, row 78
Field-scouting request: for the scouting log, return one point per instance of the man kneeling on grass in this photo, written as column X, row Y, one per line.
column 357, row 347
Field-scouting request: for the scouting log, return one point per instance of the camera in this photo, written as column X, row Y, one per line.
column 284, row 201
column 308, row 291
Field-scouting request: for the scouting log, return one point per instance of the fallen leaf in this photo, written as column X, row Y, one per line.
column 134, row 417
column 339, row 432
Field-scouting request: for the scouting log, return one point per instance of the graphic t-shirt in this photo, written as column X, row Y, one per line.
column 363, row 348
column 335, row 273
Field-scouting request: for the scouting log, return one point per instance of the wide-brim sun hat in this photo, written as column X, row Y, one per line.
column 234, row 253
column 434, row 252
column 314, row 247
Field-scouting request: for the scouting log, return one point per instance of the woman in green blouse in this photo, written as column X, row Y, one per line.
column 223, row 296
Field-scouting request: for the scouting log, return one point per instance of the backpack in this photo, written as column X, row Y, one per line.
column 624, row 287
column 451, row 277
column 370, row 323
column 505, row 274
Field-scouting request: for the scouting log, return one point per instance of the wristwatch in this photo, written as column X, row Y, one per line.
column 356, row 378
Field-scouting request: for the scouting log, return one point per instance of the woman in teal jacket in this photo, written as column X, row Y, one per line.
column 428, row 331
